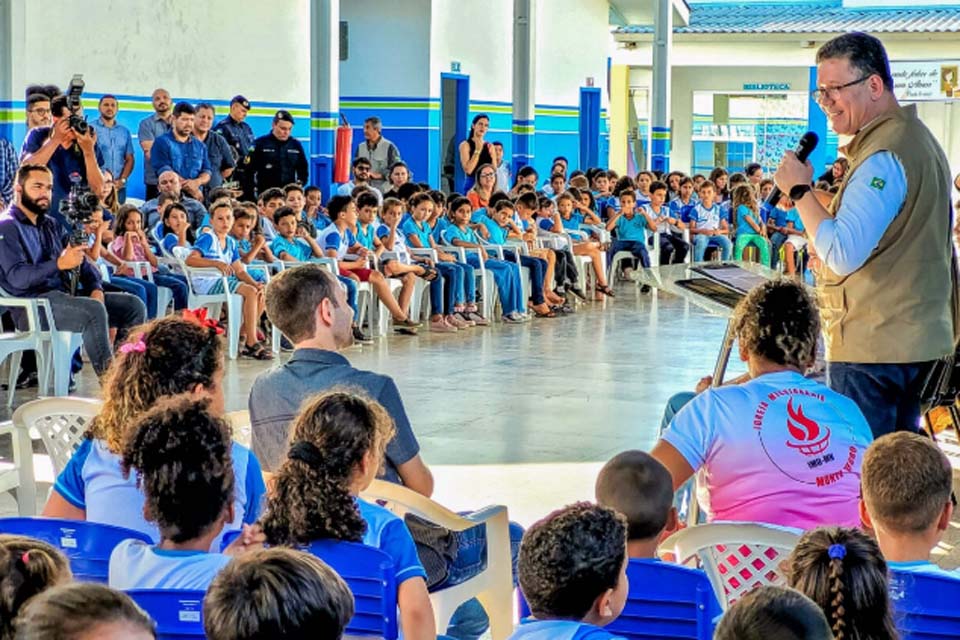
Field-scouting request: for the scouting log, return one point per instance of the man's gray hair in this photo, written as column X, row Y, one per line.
column 374, row 122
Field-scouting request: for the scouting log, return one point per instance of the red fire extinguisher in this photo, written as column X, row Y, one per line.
column 341, row 155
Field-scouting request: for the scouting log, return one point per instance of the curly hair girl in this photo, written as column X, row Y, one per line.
column 778, row 320
column 336, row 438
column 27, row 567
column 843, row 571
column 177, row 356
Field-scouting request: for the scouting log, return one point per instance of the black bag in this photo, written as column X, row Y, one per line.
column 436, row 546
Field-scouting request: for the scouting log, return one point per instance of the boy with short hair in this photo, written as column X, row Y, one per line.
column 247, row 245
column 707, row 224
column 907, row 499
column 573, row 573
column 660, row 219
column 269, row 201
column 636, row 485
column 631, row 231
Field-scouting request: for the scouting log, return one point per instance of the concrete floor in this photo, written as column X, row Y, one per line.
column 525, row 415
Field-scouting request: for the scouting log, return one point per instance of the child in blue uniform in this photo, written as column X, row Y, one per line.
column 707, row 225
column 573, row 573
column 180, row 455
column 661, row 219
column 796, row 238
column 166, row 357
column 777, row 228
column 337, row 446
column 505, row 274
column 630, row 229
column 750, row 227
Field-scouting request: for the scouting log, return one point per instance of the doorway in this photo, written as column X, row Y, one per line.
column 454, row 109
column 589, row 127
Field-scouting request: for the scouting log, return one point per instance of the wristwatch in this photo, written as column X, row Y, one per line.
column 797, row 191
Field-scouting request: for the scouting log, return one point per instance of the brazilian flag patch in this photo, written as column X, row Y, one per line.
column 878, row 183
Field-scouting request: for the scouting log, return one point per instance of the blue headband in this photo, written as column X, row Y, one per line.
column 837, row 552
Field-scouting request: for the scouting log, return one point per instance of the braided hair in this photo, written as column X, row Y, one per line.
column 27, row 567
column 311, row 498
column 181, row 454
column 176, row 356
column 843, row 571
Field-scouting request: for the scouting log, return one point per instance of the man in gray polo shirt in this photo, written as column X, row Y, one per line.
column 309, row 306
column 379, row 151
column 151, row 128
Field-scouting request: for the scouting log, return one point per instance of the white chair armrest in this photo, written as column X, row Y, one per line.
column 31, row 307
column 460, row 252
column 426, row 508
column 424, row 253
column 141, row 269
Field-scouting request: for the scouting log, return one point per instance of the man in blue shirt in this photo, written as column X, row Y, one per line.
column 151, row 128
column 115, row 144
column 180, row 151
column 35, row 264
column 309, row 306
column 66, row 153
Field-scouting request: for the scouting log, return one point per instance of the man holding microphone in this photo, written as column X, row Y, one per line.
column 887, row 285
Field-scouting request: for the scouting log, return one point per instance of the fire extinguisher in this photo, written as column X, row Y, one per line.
column 341, row 156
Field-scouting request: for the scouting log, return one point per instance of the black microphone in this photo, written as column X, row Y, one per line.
column 808, row 142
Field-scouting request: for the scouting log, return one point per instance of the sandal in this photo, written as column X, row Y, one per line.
column 606, row 290
column 549, row 314
column 429, row 274
column 257, row 352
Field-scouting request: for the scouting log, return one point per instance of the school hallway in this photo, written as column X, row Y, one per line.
column 525, row 415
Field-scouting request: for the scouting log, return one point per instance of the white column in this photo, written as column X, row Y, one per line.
column 524, row 82
column 660, row 112
column 324, row 89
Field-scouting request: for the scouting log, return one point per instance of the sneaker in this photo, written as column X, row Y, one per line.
column 442, row 326
column 628, row 273
column 360, row 336
column 476, row 318
column 457, row 322
column 513, row 318
column 462, row 316
column 408, row 323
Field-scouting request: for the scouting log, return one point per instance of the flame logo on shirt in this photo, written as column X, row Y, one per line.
column 809, row 438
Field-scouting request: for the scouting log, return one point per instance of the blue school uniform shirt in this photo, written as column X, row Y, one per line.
column 387, row 532
column 531, row 629
column 419, row 229
column 478, row 216
column 94, row 482
column 743, row 227
column 707, row 219
column 210, row 248
column 682, row 211
column 170, row 241
column 438, row 228
column 633, row 229
column 794, row 216
column 923, row 567
column 498, row 234
column 779, row 216
column 399, row 242
column 573, row 222
column 134, row 564
column 299, row 251
column 332, row 238
column 365, row 238
column 454, row 232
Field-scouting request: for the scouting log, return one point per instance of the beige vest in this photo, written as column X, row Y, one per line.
column 900, row 306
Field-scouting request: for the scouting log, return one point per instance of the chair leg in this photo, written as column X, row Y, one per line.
column 234, row 320
column 12, row 378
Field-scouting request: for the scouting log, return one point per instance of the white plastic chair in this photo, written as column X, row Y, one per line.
column 144, row 271
column 737, row 557
column 60, row 424
column 19, row 475
column 13, row 344
column 58, row 346
column 493, row 587
column 215, row 301
column 417, row 300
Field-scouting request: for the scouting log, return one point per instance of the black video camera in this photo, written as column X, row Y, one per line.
column 75, row 104
column 78, row 208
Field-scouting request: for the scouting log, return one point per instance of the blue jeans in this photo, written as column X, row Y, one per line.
column 470, row 620
column 146, row 291
column 506, row 275
column 776, row 241
column 351, row 295
column 887, row 394
column 451, row 284
column 177, row 285
column 701, row 242
column 538, row 270
column 636, row 247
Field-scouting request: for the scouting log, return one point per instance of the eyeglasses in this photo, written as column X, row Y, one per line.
column 41, row 112
column 830, row 93
column 487, row 175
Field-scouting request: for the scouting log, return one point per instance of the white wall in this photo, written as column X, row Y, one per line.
column 479, row 35
column 572, row 44
column 389, row 48
column 179, row 44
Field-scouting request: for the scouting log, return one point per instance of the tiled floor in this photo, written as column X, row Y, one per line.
column 524, row 415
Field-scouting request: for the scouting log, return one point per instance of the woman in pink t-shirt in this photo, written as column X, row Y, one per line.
column 779, row 448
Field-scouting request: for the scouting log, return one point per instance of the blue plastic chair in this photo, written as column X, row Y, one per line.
column 371, row 576
column 925, row 605
column 87, row 545
column 178, row 614
column 665, row 601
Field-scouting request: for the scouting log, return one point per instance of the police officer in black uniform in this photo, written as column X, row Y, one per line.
column 277, row 158
column 239, row 136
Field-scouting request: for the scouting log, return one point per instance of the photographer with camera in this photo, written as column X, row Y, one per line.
column 34, row 263
column 68, row 148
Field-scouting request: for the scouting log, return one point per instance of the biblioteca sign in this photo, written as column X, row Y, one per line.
column 926, row 80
